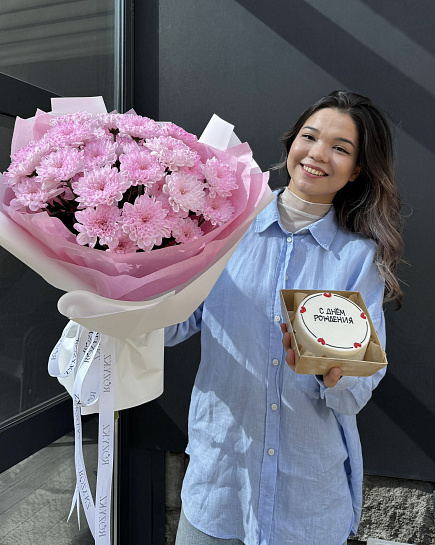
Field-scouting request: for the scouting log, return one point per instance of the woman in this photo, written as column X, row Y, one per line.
column 275, row 457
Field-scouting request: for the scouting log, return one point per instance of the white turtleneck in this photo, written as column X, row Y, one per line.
column 295, row 213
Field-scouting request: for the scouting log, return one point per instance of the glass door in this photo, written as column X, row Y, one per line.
column 29, row 327
column 48, row 49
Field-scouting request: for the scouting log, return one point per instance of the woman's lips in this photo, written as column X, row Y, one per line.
column 314, row 171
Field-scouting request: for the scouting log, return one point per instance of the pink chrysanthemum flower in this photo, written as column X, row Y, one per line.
column 186, row 230
column 195, row 170
column 141, row 167
column 145, row 222
column 125, row 245
column 11, row 179
column 100, row 223
column 138, row 126
column 172, row 217
column 69, row 130
column 98, row 153
column 58, row 166
column 29, row 156
column 185, row 191
column 108, row 121
column 170, row 129
column 25, row 161
column 171, row 152
column 29, row 193
column 100, row 186
column 220, row 178
column 217, row 210
column 126, row 144
column 98, row 133
column 77, row 117
column 156, row 190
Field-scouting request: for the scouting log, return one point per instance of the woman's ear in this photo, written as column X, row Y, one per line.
column 355, row 173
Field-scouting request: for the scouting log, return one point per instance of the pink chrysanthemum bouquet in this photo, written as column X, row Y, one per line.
column 135, row 220
column 122, row 182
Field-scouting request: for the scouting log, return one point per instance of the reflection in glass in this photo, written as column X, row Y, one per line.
column 30, row 326
column 6, row 127
column 69, row 47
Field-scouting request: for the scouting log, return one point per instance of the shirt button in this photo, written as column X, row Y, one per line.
column 271, row 452
column 289, row 239
column 277, row 318
column 286, row 276
column 274, row 406
column 275, row 361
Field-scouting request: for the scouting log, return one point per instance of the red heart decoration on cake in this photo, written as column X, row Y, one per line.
column 363, row 316
column 321, row 341
column 327, row 294
column 303, row 309
column 356, row 345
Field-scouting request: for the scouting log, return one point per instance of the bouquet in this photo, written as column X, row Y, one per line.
column 122, row 182
column 134, row 220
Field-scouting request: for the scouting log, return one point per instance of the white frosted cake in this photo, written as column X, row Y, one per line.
column 327, row 324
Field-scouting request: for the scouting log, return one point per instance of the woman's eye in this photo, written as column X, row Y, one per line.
column 308, row 136
column 339, row 148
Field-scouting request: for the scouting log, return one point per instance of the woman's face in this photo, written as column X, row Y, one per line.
column 322, row 158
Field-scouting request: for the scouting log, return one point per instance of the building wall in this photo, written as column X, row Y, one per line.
column 258, row 65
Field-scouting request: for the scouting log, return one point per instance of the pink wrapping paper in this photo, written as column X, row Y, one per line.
column 140, row 276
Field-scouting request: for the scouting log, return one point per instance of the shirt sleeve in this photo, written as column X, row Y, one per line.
column 177, row 333
column 351, row 394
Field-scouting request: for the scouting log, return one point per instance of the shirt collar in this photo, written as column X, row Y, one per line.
column 323, row 230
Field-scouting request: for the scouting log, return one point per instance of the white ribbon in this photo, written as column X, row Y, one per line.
column 105, row 443
column 90, row 357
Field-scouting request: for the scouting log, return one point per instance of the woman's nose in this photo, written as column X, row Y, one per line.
column 318, row 152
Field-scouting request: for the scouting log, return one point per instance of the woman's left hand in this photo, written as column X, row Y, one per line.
column 286, row 342
column 330, row 379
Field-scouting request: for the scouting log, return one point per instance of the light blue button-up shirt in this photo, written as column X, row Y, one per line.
column 275, row 457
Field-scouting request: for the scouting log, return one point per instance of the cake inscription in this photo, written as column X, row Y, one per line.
column 333, row 315
column 341, row 319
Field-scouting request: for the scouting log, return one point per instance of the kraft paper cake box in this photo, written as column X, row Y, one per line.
column 374, row 359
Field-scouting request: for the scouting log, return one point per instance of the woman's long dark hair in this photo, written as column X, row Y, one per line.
column 371, row 204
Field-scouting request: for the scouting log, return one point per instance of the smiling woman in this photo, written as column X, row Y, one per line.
column 347, row 139
column 260, row 471
column 323, row 156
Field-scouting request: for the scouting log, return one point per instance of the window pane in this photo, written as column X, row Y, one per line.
column 68, row 47
column 30, row 324
column 6, row 129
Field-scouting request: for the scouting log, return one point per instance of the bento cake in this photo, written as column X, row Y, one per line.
column 330, row 325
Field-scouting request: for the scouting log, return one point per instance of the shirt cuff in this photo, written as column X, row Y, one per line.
column 345, row 383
